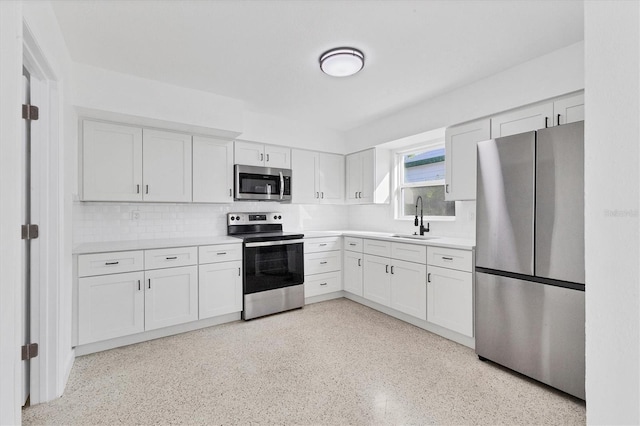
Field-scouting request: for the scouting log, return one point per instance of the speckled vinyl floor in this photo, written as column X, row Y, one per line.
column 335, row 362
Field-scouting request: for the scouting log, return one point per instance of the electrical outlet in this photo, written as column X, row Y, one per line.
column 135, row 215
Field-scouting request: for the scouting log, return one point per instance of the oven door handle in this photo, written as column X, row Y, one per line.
column 273, row 243
column 281, row 186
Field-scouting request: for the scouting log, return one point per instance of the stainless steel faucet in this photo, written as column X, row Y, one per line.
column 415, row 222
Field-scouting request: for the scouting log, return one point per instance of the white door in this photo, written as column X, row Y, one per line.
column 166, row 166
column 212, row 170
column 460, row 158
column 170, row 296
column 248, row 153
column 377, row 280
column 353, row 272
column 354, row 178
column 304, row 172
column 522, row 120
column 409, row 288
column 277, row 156
column 110, row 306
column 331, row 178
column 111, row 162
column 220, row 288
column 569, row 110
column 450, row 299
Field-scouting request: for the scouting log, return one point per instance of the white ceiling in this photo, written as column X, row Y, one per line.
column 266, row 52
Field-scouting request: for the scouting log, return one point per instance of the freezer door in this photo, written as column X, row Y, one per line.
column 559, row 241
column 505, row 209
column 532, row 328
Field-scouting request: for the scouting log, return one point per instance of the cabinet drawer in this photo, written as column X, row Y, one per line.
column 317, row 263
column 377, row 247
column 353, row 244
column 461, row 260
column 316, row 285
column 109, row 263
column 409, row 252
column 167, row 258
column 314, row 245
column 219, row 253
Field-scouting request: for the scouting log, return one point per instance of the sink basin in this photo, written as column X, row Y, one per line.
column 414, row 236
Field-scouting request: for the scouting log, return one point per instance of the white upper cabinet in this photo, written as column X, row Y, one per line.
column 111, row 162
column 212, row 170
column 318, row 178
column 522, row 120
column 460, row 158
column 257, row 154
column 368, row 177
column 166, row 166
column 569, row 110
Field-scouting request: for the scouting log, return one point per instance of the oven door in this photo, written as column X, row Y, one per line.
column 270, row 265
column 262, row 183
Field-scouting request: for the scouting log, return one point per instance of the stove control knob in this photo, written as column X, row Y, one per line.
column 275, row 217
column 279, row 217
column 237, row 217
column 233, row 218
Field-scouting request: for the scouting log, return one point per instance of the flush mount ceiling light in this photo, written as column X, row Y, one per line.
column 341, row 62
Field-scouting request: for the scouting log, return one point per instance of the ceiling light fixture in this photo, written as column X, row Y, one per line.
column 342, row 61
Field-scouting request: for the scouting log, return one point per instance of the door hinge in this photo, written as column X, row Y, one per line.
column 30, row 112
column 29, row 232
column 29, row 351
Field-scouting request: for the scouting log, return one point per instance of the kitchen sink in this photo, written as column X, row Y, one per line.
column 415, row 236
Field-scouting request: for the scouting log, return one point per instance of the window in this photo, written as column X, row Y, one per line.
column 421, row 173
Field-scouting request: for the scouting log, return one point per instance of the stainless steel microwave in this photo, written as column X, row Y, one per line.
column 262, row 183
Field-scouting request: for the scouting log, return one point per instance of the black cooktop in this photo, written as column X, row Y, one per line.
column 268, row 236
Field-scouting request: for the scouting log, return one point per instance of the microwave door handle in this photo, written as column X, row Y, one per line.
column 281, row 186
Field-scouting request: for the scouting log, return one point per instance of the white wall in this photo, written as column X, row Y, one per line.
column 554, row 74
column 612, row 183
column 95, row 222
column 10, row 154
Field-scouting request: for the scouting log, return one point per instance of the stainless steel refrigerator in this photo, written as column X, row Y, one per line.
column 530, row 289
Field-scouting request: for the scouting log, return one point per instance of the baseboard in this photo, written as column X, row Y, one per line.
column 324, row 297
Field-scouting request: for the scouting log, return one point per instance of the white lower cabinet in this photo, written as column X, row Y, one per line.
column 322, row 266
column 220, row 288
column 352, row 265
column 450, row 289
column 170, row 296
column 409, row 288
column 315, row 285
column 377, row 284
column 110, row 306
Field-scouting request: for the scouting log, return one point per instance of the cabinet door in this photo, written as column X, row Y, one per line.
column 450, row 299
column 110, row 306
column 166, row 166
column 460, row 158
column 220, row 288
column 248, row 153
column 409, row 288
column 277, row 156
column 368, row 176
column 377, row 280
column 522, row 120
column 111, row 162
column 353, row 272
column 212, row 170
column 170, row 296
column 354, row 178
column 569, row 110
column 304, row 186
column 331, row 178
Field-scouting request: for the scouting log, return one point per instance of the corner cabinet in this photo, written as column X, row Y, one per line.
column 318, row 177
column 460, row 158
column 322, row 266
column 125, row 163
column 368, row 177
column 257, row 154
column 212, row 170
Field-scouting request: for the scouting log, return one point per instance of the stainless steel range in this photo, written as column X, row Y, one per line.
column 273, row 261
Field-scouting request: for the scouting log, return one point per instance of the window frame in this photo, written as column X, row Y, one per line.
column 399, row 183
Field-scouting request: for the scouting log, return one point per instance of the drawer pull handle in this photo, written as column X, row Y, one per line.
column 172, row 258
column 221, row 252
column 323, row 244
column 429, row 277
column 323, row 283
column 323, row 263
column 447, row 258
column 111, row 263
column 352, row 244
